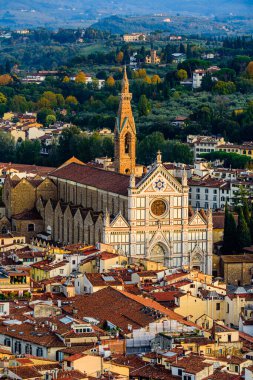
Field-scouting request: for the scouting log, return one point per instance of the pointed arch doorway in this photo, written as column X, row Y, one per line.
column 158, row 253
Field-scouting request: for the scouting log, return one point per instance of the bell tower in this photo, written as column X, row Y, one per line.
column 125, row 132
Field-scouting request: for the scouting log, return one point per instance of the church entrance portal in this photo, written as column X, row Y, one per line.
column 158, row 253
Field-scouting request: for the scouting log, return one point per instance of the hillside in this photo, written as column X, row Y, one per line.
column 184, row 24
column 78, row 12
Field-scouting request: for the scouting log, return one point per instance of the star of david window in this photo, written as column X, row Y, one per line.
column 158, row 207
column 159, row 185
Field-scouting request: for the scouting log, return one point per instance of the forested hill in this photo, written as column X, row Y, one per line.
column 80, row 12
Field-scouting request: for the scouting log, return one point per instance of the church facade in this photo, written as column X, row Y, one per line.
column 143, row 215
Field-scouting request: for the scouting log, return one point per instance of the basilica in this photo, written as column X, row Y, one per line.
column 142, row 213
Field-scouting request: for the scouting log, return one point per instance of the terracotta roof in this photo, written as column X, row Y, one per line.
column 26, row 372
column 237, row 259
column 91, row 176
column 70, row 375
column 99, row 279
column 237, row 360
column 165, row 296
column 148, row 273
column 246, row 337
column 47, row 265
column 26, row 332
column 140, row 369
column 191, row 364
column 28, row 215
column 41, row 170
column 155, row 305
column 120, row 308
column 222, row 375
column 173, row 277
column 207, row 182
column 107, row 255
column 219, row 219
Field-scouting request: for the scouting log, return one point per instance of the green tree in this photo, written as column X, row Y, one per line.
column 71, row 100
column 144, row 106
column 229, row 237
column 67, row 142
column 225, row 88
column 239, row 63
column 243, row 233
column 241, row 196
column 3, row 99
column 175, row 151
column 50, row 119
column 181, row 74
column 28, row 152
column 60, row 101
column 246, row 211
column 192, row 64
column 51, row 97
column 148, row 147
column 207, row 83
column 19, row 104
column 233, row 160
column 112, row 102
column 226, row 74
column 251, row 226
column 42, row 115
column 7, row 147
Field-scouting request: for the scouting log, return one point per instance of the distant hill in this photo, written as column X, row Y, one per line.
column 185, row 24
column 80, row 12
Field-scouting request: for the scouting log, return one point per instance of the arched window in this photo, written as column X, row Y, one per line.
column 39, row 352
column 17, row 348
column 4, row 230
column 113, row 206
column 28, row 349
column 127, row 143
column 89, row 235
column 7, row 342
column 78, row 232
column 68, row 231
column 31, row 227
column 59, row 227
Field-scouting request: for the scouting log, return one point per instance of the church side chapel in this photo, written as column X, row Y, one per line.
column 142, row 214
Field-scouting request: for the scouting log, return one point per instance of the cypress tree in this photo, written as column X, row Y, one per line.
column 246, row 211
column 229, row 238
column 251, row 226
column 243, row 233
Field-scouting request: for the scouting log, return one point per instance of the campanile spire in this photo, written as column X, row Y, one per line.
column 125, row 132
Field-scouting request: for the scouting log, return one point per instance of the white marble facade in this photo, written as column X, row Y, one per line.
column 159, row 225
